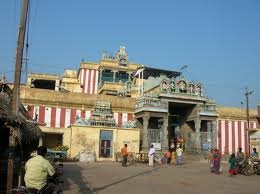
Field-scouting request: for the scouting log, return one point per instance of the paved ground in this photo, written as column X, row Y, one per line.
column 191, row 178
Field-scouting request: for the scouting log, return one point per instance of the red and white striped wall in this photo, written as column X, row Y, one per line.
column 63, row 117
column 232, row 135
column 122, row 117
column 89, row 80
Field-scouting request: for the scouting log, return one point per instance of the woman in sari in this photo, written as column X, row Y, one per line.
column 216, row 161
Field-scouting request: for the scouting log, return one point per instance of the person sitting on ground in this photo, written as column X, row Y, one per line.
column 233, row 165
column 254, row 154
column 37, row 170
column 163, row 160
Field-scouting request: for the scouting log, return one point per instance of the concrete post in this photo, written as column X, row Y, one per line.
column 145, row 145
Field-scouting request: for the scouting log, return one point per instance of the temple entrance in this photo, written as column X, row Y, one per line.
column 174, row 125
column 178, row 125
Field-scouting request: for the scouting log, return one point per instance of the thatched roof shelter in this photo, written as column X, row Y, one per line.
column 235, row 113
column 25, row 130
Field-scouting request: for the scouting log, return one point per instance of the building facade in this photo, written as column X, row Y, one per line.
column 114, row 101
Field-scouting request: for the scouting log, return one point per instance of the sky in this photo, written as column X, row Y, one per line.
column 219, row 40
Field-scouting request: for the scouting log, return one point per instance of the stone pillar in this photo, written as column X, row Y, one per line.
column 145, row 145
column 214, row 134
column 197, row 142
column 165, row 141
column 197, row 125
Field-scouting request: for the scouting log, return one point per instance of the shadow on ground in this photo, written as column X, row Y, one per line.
column 75, row 182
column 124, row 179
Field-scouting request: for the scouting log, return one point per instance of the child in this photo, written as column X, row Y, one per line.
column 168, row 156
column 179, row 156
column 173, row 159
column 233, row 164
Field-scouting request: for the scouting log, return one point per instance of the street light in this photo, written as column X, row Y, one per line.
column 247, row 116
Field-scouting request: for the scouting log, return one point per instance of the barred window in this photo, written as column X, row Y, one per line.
column 154, row 135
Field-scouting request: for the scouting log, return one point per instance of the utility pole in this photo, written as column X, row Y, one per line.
column 247, row 93
column 16, row 91
column 19, row 57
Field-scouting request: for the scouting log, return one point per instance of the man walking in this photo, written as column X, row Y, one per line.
column 125, row 154
column 151, row 155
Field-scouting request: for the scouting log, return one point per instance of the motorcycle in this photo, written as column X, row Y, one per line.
column 246, row 167
column 25, row 190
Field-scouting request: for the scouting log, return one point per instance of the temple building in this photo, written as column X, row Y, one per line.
column 101, row 106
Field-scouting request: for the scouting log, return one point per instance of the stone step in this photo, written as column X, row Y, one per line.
column 194, row 157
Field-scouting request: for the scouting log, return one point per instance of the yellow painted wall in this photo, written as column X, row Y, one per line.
column 131, row 137
column 85, row 137
column 78, row 138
